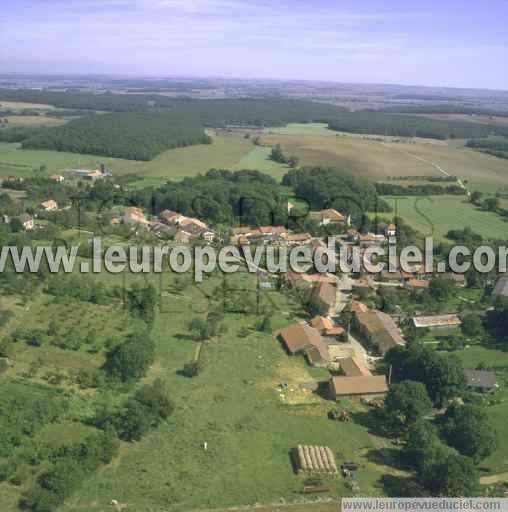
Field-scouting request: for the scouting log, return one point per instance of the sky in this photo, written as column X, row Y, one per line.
column 435, row 43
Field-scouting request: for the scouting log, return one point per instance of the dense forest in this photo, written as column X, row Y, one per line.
column 380, row 123
column 133, row 135
column 253, row 198
column 19, row 133
column 426, row 189
column 447, row 108
column 220, row 197
column 494, row 147
column 262, row 112
column 332, row 188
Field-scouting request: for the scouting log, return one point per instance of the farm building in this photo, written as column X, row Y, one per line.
column 354, row 367
column 437, row 321
column 329, row 216
column 480, row 380
column 299, row 336
column 378, row 329
column 315, row 460
column 372, row 386
column 325, row 294
column 90, row 174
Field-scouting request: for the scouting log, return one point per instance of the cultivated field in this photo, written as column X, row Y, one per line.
column 380, row 158
column 34, row 121
column 377, row 158
column 19, row 105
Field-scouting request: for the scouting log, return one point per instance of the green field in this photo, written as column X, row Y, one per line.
column 234, row 405
column 496, row 359
column 258, row 158
column 436, row 215
column 226, row 152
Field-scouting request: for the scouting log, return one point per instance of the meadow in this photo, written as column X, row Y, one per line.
column 226, row 152
column 235, row 404
column 436, row 215
column 494, row 358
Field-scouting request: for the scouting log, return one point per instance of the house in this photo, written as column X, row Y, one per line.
column 209, row 236
column 298, row 238
column 183, row 237
column 436, row 321
column 171, row 217
column 57, row 177
column 299, row 336
column 161, row 230
column 501, row 288
column 416, row 284
column 378, row 329
column 90, row 174
column 354, row 367
column 326, row 327
column 49, row 205
column 325, row 294
column 458, row 279
column 195, row 228
column 318, row 355
column 26, row 221
column 371, row 239
column 373, row 386
column 134, row 215
column 480, row 380
column 358, row 307
column 328, row 216
column 391, row 230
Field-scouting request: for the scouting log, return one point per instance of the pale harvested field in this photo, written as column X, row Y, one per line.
column 34, row 121
column 381, row 160
column 18, row 105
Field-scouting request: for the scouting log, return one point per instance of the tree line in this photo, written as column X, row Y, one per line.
column 380, row 123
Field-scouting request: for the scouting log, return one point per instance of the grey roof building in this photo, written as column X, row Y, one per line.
column 501, row 288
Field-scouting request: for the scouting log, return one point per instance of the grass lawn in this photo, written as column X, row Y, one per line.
column 439, row 214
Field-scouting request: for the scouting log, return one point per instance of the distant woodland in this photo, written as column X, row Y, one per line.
column 380, row 123
column 141, row 126
column 132, row 135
